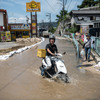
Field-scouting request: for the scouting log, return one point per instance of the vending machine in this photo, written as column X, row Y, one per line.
column 8, row 36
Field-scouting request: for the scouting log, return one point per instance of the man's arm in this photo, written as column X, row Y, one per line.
column 50, row 52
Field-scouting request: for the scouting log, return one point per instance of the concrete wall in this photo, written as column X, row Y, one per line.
column 1, row 19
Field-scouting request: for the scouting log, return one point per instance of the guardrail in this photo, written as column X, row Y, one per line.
column 76, row 44
column 97, row 46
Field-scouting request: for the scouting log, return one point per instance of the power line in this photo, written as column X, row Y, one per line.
column 69, row 5
column 51, row 6
column 66, row 2
column 74, row 4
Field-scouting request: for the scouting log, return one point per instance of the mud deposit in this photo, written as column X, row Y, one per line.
column 20, row 78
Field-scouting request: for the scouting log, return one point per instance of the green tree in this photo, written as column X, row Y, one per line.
column 60, row 16
column 73, row 29
column 88, row 3
column 52, row 30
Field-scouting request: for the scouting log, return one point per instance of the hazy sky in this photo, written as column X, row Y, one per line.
column 17, row 9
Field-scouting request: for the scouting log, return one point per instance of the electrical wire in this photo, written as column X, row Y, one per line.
column 69, row 5
column 65, row 2
column 74, row 4
column 51, row 6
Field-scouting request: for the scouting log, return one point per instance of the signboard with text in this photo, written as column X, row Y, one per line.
column 33, row 6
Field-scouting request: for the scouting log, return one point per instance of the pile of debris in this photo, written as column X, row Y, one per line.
column 27, row 40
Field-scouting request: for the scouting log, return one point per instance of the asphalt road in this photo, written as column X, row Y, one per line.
column 20, row 78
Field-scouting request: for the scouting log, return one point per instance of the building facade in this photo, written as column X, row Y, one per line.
column 19, row 30
column 3, row 20
column 85, row 19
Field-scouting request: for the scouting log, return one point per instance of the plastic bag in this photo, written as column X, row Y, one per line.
column 82, row 53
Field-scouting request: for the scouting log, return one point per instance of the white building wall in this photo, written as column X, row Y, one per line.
column 1, row 19
column 72, row 21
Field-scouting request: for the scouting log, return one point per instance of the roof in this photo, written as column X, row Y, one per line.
column 85, row 12
column 90, row 8
column 2, row 10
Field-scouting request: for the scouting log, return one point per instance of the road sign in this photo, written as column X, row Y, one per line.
column 33, row 6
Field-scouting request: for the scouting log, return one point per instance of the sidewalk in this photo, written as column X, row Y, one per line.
column 90, row 66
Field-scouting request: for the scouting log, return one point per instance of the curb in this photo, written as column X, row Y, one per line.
column 10, row 54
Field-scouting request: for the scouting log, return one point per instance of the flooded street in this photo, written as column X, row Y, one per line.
column 20, row 78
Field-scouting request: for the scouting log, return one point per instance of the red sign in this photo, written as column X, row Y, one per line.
column 1, row 28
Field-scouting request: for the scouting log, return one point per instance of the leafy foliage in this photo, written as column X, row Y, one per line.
column 88, row 3
column 60, row 16
column 72, row 29
column 52, row 30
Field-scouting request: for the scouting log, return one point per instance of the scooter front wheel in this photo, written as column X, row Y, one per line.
column 64, row 78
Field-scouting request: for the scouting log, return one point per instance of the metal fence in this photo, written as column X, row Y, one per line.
column 97, row 45
column 75, row 42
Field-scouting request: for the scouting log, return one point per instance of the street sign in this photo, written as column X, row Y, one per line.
column 33, row 6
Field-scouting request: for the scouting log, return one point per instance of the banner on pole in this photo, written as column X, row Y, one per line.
column 34, row 24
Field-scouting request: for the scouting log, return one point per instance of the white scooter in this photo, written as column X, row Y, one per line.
column 58, row 69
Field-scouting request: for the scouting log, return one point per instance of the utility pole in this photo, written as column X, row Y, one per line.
column 63, row 11
column 27, row 19
column 31, row 25
column 99, row 4
column 0, row 5
column 43, row 24
column 49, row 15
column 63, row 3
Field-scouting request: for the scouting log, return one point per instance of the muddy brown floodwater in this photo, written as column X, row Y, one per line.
column 20, row 78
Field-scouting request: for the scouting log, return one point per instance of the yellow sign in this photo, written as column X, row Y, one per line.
column 34, row 24
column 33, row 6
column 8, row 36
column 34, row 31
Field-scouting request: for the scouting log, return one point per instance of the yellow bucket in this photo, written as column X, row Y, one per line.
column 41, row 53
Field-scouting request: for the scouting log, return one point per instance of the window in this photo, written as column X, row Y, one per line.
column 97, row 25
column 92, row 18
column 25, row 33
column 80, row 18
